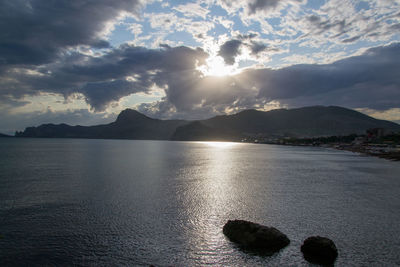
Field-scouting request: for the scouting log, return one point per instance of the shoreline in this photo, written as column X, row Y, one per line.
column 368, row 150
column 372, row 151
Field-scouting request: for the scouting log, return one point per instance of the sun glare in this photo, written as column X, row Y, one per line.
column 216, row 67
column 220, row 144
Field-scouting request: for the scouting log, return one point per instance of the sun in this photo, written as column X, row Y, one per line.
column 215, row 66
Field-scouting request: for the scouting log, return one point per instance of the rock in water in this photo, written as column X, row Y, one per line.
column 255, row 236
column 320, row 250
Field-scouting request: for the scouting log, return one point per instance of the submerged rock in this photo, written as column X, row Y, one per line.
column 255, row 236
column 321, row 250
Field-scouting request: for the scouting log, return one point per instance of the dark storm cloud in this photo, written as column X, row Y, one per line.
column 229, row 50
column 127, row 60
column 370, row 80
column 100, row 94
column 104, row 79
column 34, row 32
column 194, row 96
column 137, row 69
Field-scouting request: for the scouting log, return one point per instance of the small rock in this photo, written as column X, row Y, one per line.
column 320, row 250
column 255, row 236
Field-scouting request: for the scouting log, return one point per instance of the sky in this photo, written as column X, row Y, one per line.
column 83, row 61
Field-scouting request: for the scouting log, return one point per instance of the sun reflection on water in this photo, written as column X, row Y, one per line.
column 220, row 144
column 210, row 199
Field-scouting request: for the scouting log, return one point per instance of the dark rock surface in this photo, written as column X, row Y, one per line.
column 255, row 236
column 320, row 250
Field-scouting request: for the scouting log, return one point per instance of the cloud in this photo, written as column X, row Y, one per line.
column 64, row 48
column 229, row 50
column 223, row 21
column 99, row 94
column 257, row 5
column 330, row 25
column 103, row 79
column 369, row 80
column 342, row 22
column 198, row 97
column 192, row 10
column 38, row 31
column 19, row 121
column 392, row 114
column 257, row 47
column 165, row 23
column 259, row 10
column 252, row 7
column 248, row 36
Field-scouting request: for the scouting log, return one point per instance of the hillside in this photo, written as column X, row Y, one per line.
column 129, row 124
column 4, row 135
column 301, row 122
column 306, row 121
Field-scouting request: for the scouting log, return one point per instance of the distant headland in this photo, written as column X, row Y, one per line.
column 5, row 135
column 247, row 125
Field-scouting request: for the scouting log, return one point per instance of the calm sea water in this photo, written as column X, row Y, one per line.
column 134, row 203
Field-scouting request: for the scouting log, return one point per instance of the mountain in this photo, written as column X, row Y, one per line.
column 130, row 124
column 4, row 135
column 199, row 131
column 301, row 122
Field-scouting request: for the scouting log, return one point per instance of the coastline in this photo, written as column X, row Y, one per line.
column 371, row 150
column 374, row 150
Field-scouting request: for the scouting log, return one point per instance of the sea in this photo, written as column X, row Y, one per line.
column 81, row 202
